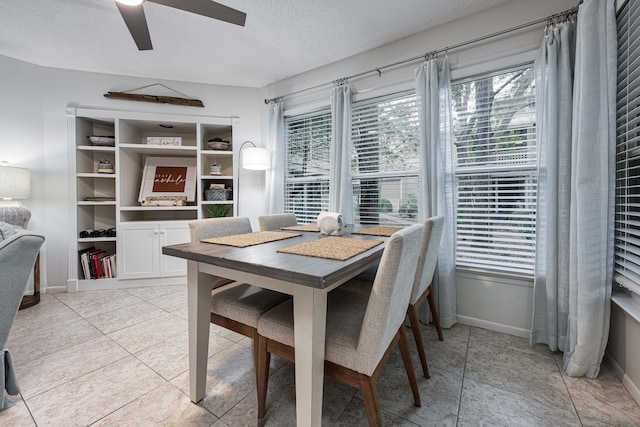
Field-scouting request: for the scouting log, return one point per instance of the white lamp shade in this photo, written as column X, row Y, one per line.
column 15, row 183
column 256, row 158
column 130, row 2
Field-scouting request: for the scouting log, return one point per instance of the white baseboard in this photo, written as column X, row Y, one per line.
column 494, row 326
column 54, row 289
column 631, row 387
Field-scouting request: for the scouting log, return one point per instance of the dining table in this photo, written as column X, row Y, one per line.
column 307, row 278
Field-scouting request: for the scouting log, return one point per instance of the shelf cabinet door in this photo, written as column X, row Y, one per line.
column 138, row 250
column 172, row 234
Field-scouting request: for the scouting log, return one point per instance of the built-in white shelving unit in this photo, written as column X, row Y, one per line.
column 110, row 201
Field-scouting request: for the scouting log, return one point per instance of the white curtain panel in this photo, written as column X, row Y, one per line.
column 340, row 185
column 574, row 256
column 437, row 192
column 554, row 110
column 593, row 188
column 276, row 146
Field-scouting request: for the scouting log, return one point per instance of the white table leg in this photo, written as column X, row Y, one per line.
column 199, row 315
column 310, row 315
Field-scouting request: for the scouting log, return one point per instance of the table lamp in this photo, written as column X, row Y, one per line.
column 15, row 183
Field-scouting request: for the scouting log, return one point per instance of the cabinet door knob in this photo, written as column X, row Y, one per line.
column 155, row 231
column 162, row 231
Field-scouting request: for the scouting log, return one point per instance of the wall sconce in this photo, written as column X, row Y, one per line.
column 252, row 158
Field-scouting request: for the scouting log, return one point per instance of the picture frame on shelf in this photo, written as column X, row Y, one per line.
column 168, row 177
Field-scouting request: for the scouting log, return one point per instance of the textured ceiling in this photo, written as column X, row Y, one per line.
column 281, row 38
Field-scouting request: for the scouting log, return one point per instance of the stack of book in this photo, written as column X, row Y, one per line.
column 97, row 264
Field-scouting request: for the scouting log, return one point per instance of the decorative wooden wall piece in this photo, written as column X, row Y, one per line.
column 160, row 99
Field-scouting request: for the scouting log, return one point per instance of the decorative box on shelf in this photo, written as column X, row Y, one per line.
column 164, row 140
column 217, row 194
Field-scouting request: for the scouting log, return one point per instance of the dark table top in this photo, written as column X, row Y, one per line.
column 264, row 260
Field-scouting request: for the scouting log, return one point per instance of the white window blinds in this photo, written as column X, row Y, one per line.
column 308, row 161
column 627, row 225
column 385, row 159
column 496, row 173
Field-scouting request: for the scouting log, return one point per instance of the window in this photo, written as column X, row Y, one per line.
column 627, row 222
column 496, row 169
column 496, row 173
column 308, row 161
column 385, row 159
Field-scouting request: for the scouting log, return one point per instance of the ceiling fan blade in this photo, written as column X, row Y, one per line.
column 207, row 8
column 137, row 23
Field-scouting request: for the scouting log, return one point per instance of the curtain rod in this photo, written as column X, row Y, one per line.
column 378, row 70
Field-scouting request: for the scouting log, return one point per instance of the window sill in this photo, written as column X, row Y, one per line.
column 628, row 302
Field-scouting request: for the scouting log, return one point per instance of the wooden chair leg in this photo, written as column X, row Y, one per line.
column 262, row 377
column 408, row 366
column 417, row 335
column 371, row 403
column 434, row 314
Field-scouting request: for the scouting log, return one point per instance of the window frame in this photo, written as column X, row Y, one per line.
column 513, row 171
column 306, row 215
column 627, row 211
column 404, row 98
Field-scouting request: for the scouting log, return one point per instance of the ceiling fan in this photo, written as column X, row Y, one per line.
column 133, row 14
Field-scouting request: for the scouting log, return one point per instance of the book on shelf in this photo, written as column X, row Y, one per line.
column 97, row 264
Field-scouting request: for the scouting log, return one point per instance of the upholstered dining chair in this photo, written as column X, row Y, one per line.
column 235, row 306
column 361, row 330
column 18, row 254
column 421, row 284
column 276, row 221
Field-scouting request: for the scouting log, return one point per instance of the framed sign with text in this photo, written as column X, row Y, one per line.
column 168, row 176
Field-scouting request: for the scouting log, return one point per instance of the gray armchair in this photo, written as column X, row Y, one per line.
column 17, row 256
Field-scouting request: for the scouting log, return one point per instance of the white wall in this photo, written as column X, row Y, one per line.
column 624, row 342
column 495, row 302
column 34, row 135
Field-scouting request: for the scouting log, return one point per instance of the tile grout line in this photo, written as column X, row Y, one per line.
column 573, row 403
column 94, row 370
column 464, row 369
column 132, row 355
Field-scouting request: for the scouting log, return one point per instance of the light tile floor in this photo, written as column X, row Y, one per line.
column 119, row 358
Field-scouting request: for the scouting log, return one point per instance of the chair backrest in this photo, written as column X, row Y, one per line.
column 218, row 227
column 428, row 256
column 389, row 297
column 276, row 221
column 17, row 256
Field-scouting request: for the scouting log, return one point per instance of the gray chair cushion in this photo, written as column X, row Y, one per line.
column 244, row 303
column 345, row 312
column 8, row 230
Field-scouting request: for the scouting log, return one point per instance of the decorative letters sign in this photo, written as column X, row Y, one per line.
column 169, row 179
column 168, row 176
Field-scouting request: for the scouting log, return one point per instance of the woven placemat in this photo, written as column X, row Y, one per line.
column 306, row 227
column 250, row 239
column 338, row 248
column 378, row 231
